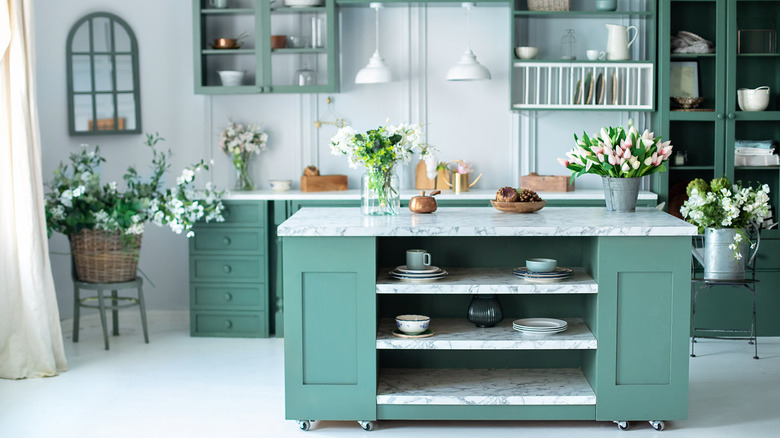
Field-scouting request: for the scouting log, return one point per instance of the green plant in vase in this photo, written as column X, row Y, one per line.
column 379, row 150
column 240, row 144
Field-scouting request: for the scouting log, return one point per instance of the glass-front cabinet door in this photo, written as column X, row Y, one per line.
column 261, row 46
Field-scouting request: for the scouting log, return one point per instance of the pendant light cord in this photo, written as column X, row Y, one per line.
column 376, row 9
column 468, row 27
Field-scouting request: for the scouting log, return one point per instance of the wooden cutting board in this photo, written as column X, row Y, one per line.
column 323, row 183
column 422, row 182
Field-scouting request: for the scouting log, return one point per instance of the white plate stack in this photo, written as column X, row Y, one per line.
column 540, row 326
column 428, row 274
column 556, row 275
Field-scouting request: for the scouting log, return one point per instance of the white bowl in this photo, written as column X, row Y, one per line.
column 541, row 265
column 231, row 78
column 280, row 185
column 526, row 52
column 412, row 324
column 753, row 99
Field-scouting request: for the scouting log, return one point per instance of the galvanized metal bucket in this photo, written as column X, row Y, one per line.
column 718, row 259
column 621, row 193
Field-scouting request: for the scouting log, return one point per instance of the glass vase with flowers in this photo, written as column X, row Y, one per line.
column 240, row 143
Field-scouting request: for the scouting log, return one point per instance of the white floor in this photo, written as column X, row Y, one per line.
column 178, row 386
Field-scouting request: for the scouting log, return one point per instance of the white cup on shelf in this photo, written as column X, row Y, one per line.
column 594, row 55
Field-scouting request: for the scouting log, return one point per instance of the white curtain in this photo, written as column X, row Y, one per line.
column 30, row 335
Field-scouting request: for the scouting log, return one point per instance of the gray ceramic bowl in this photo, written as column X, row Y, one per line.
column 541, row 265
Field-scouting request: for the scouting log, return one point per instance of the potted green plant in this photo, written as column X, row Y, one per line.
column 723, row 211
column 622, row 157
column 104, row 224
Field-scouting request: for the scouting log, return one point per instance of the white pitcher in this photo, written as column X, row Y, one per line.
column 617, row 41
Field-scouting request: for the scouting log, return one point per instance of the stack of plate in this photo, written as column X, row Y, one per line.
column 539, row 326
column 430, row 273
column 557, row 274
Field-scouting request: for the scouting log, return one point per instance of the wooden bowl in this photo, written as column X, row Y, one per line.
column 518, row 207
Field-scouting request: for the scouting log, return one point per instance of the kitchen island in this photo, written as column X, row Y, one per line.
column 623, row 358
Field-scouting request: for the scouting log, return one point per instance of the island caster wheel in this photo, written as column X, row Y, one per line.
column 657, row 425
column 304, row 425
column 622, row 425
column 367, row 425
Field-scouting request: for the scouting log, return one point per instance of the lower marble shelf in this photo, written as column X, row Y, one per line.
column 488, row 387
column 460, row 334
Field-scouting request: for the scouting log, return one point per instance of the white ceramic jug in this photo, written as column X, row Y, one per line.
column 617, row 41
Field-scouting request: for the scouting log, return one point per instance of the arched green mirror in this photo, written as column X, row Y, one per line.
column 103, row 85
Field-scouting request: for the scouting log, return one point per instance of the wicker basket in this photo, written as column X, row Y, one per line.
column 101, row 257
column 548, row 5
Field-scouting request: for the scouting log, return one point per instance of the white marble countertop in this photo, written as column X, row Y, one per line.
column 512, row 387
column 460, row 334
column 486, row 221
column 354, row 194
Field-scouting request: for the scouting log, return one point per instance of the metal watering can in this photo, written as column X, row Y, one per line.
column 718, row 259
column 461, row 182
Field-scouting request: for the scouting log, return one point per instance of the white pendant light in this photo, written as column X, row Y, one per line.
column 376, row 72
column 468, row 68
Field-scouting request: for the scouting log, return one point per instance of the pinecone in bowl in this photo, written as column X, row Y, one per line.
column 526, row 195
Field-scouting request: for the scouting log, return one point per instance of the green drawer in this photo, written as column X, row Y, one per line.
column 228, row 296
column 229, row 324
column 218, row 239
column 224, row 268
column 244, row 213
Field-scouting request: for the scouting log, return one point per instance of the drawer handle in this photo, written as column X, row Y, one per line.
column 228, row 296
column 225, row 213
column 228, row 324
column 226, row 241
column 227, row 269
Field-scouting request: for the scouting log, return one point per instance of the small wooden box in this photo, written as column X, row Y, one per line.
column 323, row 183
column 546, row 183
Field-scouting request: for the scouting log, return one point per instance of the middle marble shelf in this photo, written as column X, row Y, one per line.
column 459, row 334
column 486, row 281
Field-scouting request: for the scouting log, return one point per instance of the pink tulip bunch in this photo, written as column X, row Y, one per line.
column 618, row 152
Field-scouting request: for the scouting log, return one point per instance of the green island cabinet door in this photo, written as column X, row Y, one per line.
column 330, row 328
column 640, row 371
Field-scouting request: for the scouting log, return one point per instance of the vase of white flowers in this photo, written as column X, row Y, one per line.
column 622, row 157
column 379, row 150
column 723, row 211
column 241, row 143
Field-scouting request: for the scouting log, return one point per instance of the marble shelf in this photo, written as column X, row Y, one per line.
column 536, row 386
column 486, row 281
column 459, row 334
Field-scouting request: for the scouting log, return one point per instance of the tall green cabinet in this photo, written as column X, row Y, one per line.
column 229, row 273
column 707, row 134
column 310, row 66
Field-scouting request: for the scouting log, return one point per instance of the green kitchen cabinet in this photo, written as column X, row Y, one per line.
column 229, row 273
column 307, row 64
column 548, row 82
column 706, row 136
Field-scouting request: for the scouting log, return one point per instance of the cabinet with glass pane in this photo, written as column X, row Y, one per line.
column 283, row 46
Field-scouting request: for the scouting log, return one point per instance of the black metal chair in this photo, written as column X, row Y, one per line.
column 748, row 284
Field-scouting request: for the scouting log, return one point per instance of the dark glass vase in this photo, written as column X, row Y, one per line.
column 485, row 311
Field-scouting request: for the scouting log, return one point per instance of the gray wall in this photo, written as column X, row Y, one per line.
column 465, row 120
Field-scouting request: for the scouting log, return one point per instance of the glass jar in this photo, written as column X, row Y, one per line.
column 569, row 45
column 379, row 192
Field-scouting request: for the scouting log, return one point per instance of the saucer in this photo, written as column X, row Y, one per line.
column 429, row 270
column 424, row 334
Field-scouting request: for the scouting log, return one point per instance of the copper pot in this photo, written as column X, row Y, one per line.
column 424, row 204
column 278, row 41
column 225, row 43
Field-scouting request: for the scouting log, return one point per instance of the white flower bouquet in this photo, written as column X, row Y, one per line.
column 240, row 144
